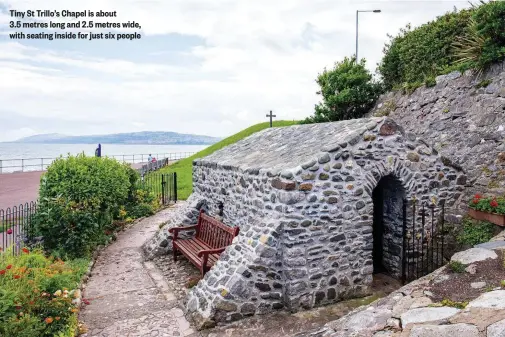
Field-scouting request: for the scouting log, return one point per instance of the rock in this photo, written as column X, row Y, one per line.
column 480, row 317
column 471, row 269
column 393, row 323
column 473, row 255
column 323, row 158
column 422, row 315
column 497, row 329
column 493, row 299
column 486, row 120
column 402, row 306
column 363, row 323
column 459, row 330
column 412, row 156
column 477, row 285
column 492, row 245
column 421, row 302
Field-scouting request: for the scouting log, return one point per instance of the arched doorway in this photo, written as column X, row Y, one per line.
column 388, row 198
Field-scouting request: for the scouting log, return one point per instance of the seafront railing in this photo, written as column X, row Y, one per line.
column 41, row 164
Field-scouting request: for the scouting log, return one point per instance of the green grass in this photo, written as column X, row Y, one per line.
column 184, row 167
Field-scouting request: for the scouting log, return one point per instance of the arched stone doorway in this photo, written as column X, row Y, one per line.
column 388, row 198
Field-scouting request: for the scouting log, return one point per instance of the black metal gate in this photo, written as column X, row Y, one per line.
column 163, row 185
column 423, row 239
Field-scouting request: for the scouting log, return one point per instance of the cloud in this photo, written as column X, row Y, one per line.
column 249, row 57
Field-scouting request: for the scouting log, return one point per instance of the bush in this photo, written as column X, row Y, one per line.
column 414, row 55
column 348, row 92
column 456, row 266
column 36, row 294
column 79, row 196
column 458, row 40
column 490, row 19
column 475, row 232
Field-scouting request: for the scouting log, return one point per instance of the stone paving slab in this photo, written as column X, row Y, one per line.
column 129, row 297
column 135, row 304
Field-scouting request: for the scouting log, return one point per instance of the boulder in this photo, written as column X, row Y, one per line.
column 473, row 255
column 421, row 315
column 460, row 330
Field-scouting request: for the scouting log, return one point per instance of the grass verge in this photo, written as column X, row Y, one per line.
column 184, row 167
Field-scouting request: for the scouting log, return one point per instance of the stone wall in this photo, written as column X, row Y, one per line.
column 463, row 118
column 305, row 232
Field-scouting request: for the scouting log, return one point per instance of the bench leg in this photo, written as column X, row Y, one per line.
column 174, row 250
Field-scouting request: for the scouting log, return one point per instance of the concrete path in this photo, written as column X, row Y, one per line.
column 18, row 188
column 129, row 297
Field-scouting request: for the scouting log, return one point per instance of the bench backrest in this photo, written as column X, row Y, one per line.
column 213, row 232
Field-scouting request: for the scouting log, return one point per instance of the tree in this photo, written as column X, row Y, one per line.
column 348, row 92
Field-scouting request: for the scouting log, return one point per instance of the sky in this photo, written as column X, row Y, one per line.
column 209, row 67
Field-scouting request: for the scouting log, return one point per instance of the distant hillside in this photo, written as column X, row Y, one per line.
column 146, row 137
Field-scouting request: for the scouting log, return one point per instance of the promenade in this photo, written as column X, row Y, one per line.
column 19, row 188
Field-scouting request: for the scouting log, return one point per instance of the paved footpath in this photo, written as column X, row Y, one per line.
column 129, row 297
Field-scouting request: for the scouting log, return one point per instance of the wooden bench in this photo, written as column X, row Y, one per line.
column 211, row 239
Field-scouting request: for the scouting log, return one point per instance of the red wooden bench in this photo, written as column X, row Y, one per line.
column 211, row 239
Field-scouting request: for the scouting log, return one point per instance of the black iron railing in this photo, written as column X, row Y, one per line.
column 16, row 228
column 423, row 241
column 163, row 185
column 9, row 165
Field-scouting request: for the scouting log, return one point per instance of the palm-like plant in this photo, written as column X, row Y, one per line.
column 468, row 48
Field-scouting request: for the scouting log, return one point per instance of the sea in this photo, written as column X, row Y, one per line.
column 15, row 157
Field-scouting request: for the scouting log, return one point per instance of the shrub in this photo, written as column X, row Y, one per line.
column 36, row 294
column 348, row 92
column 458, row 40
column 475, row 232
column 78, row 197
column 491, row 26
column 417, row 54
column 456, row 266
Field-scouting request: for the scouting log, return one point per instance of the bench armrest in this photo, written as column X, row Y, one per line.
column 211, row 251
column 175, row 230
column 184, row 228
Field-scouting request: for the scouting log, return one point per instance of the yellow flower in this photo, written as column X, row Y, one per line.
column 57, row 293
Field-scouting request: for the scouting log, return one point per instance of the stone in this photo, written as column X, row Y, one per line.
column 323, row 176
column 283, row 185
column 480, row 317
column 496, row 329
column 471, row 269
column 305, row 187
column 402, row 306
column 459, row 330
column 477, row 285
column 493, row 299
column 363, row 323
column 324, row 158
column 389, row 128
column 421, row 302
column 492, row 245
column 473, row 255
column 422, row 315
column 413, row 157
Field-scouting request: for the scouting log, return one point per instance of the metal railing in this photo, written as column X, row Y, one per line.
column 16, row 228
column 41, row 164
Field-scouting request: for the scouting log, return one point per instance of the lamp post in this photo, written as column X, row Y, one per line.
column 357, row 12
